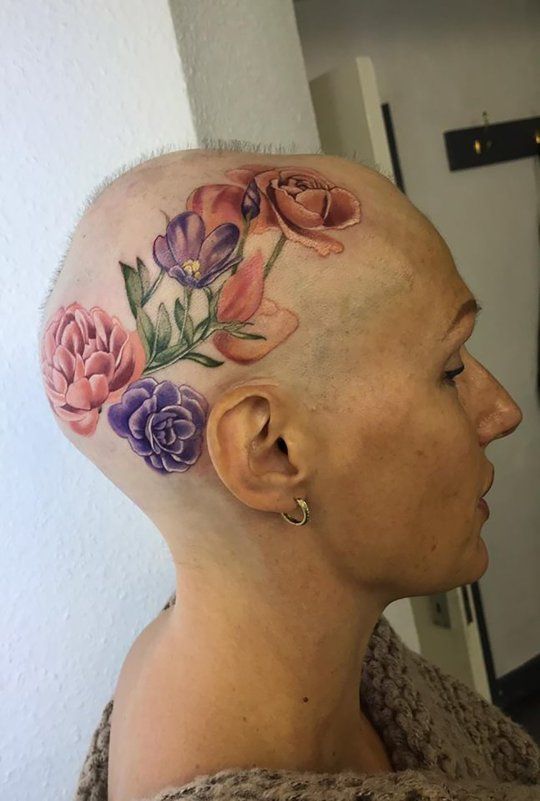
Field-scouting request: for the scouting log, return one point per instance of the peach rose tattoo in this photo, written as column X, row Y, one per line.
column 88, row 357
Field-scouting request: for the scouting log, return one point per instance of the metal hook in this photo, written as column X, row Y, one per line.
column 487, row 142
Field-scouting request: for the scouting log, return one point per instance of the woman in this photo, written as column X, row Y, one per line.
column 275, row 372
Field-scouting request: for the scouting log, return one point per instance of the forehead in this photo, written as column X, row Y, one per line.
column 431, row 289
column 403, row 275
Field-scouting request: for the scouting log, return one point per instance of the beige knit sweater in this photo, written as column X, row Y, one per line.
column 445, row 742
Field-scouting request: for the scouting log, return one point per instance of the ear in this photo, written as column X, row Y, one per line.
column 258, row 447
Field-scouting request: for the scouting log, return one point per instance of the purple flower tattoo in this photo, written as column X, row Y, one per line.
column 195, row 260
column 163, row 423
column 251, row 201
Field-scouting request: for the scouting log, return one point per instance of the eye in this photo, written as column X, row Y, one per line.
column 451, row 374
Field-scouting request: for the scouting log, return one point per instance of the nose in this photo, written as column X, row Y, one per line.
column 499, row 414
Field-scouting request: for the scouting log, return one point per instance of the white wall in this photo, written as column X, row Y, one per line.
column 440, row 66
column 245, row 71
column 85, row 88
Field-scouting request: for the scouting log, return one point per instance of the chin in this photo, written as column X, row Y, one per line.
column 472, row 565
column 475, row 560
column 482, row 549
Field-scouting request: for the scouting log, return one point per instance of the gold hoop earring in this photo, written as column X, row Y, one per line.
column 305, row 511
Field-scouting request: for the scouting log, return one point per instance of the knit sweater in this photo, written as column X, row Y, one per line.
column 445, row 743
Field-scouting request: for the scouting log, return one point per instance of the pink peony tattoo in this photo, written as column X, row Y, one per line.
column 86, row 359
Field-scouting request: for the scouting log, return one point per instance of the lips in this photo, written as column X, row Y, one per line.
column 490, row 483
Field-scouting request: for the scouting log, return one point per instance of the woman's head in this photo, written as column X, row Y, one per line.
column 230, row 333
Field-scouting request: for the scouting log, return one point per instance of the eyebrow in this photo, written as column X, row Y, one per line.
column 469, row 307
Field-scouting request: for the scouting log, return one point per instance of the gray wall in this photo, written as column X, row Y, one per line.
column 440, row 65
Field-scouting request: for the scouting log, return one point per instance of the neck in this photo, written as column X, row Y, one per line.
column 279, row 660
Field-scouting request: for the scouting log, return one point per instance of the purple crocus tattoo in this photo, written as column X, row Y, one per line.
column 190, row 257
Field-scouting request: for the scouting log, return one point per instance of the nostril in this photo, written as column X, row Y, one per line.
column 508, row 431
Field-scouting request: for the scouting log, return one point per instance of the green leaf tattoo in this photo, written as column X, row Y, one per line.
column 163, row 329
column 202, row 359
column 144, row 275
column 145, row 329
column 245, row 335
column 132, row 281
column 184, row 322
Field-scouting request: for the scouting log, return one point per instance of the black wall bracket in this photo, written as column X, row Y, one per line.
column 492, row 143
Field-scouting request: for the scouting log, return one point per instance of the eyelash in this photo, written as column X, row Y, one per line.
column 451, row 374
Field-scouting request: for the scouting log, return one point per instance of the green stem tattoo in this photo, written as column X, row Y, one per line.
column 187, row 299
column 275, row 253
column 153, row 369
column 219, row 327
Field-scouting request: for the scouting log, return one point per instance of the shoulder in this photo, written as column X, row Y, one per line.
column 158, row 729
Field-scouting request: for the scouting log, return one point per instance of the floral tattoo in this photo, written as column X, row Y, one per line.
column 89, row 358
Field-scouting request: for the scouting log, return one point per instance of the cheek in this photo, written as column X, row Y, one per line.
column 404, row 460
column 397, row 490
column 400, row 446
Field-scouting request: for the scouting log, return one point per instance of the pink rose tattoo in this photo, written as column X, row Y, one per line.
column 299, row 201
column 89, row 358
